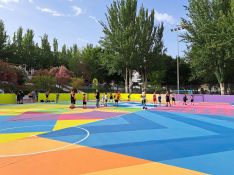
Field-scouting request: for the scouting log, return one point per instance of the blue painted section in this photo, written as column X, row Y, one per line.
column 211, row 120
column 133, row 105
column 63, row 133
column 199, row 142
column 135, row 122
column 171, row 131
column 110, row 122
column 70, row 135
column 6, row 118
column 217, row 164
column 26, row 126
column 194, row 122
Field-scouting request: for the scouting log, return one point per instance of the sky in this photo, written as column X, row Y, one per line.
column 77, row 21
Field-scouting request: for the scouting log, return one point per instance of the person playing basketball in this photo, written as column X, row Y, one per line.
column 185, row 99
column 192, row 100
column 73, row 99
column 168, row 100
column 106, row 99
column 117, row 98
column 111, row 97
column 129, row 97
column 155, row 99
column 84, row 101
column 97, row 96
column 160, row 99
column 173, row 99
column 143, row 96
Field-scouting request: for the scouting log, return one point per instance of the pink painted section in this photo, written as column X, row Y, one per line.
column 206, row 108
column 42, row 116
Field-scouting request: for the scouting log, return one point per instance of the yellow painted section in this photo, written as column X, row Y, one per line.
column 11, row 98
column 7, row 99
column 91, row 96
column 32, row 145
column 62, row 124
column 148, row 169
column 4, row 138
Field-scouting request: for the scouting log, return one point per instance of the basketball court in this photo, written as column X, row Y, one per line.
column 53, row 139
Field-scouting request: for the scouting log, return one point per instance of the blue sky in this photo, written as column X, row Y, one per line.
column 76, row 21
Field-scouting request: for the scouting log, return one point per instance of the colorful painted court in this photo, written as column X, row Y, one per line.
column 51, row 139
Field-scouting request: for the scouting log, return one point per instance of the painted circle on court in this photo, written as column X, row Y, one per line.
column 43, row 151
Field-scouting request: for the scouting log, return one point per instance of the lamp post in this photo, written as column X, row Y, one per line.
column 145, row 76
column 177, row 29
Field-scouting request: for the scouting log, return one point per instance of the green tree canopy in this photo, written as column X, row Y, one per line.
column 210, row 33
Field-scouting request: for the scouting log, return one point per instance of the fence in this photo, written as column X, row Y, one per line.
column 7, row 99
column 11, row 98
column 209, row 98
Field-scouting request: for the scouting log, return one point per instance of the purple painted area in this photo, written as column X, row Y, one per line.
column 208, row 98
column 89, row 115
column 35, row 116
column 41, row 116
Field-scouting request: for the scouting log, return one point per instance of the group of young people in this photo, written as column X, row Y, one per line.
column 170, row 98
column 104, row 99
column 185, row 99
column 156, row 100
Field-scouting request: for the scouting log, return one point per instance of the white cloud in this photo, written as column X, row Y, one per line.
column 7, row 8
column 8, row 1
column 164, row 17
column 50, row 11
column 77, row 10
column 30, row 1
column 94, row 18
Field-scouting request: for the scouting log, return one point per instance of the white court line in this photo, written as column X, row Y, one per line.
column 45, row 151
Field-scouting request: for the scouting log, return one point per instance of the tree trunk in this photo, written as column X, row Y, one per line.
column 130, row 81
column 126, row 80
column 222, row 88
column 145, row 81
column 219, row 73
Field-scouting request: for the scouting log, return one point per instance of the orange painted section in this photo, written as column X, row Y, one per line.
column 87, row 161
column 66, row 162
column 31, row 145
column 147, row 169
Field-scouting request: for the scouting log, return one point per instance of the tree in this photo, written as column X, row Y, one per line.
column 150, row 44
column 12, row 74
column 63, row 76
column 78, row 83
column 210, row 33
column 63, row 56
column 120, row 35
column 44, row 83
column 28, row 49
column 8, row 73
column 95, row 83
column 132, row 40
column 55, row 52
column 3, row 39
column 46, row 54
column 75, row 60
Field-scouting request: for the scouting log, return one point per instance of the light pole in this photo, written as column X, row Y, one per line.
column 177, row 29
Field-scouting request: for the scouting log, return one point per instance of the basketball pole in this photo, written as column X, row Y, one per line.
column 177, row 29
column 178, row 64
